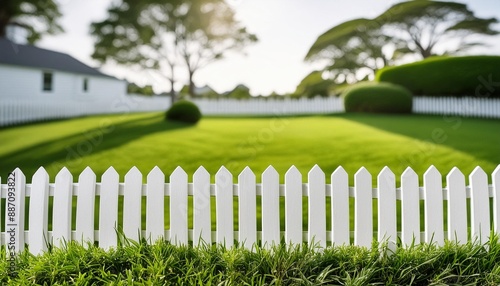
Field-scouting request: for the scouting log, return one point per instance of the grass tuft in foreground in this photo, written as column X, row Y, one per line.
column 166, row 264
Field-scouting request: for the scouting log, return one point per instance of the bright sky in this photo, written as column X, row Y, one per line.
column 286, row 29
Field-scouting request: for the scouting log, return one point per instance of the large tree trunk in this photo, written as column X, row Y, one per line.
column 173, row 97
column 191, row 84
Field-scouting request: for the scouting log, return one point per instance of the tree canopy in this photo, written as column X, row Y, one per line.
column 165, row 35
column 36, row 17
column 425, row 24
column 406, row 28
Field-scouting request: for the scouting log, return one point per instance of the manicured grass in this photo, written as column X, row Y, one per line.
column 348, row 140
column 165, row 264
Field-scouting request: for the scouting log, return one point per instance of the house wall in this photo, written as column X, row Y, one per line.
column 27, row 83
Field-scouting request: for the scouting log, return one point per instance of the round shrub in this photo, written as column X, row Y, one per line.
column 447, row 76
column 378, row 98
column 184, row 111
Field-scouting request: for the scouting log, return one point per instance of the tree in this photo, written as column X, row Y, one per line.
column 161, row 36
column 353, row 46
column 426, row 24
column 37, row 17
column 412, row 27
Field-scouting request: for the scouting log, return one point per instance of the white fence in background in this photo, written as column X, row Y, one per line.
column 463, row 106
column 276, row 107
column 19, row 111
column 324, row 200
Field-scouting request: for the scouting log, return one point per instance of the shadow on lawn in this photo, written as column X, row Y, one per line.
column 467, row 135
column 85, row 143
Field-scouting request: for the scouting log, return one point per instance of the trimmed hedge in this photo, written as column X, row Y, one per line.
column 378, row 98
column 184, row 111
column 477, row 76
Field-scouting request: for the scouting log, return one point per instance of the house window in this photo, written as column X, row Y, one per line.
column 47, row 81
column 85, row 84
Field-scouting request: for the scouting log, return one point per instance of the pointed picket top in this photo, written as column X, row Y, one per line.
column 478, row 174
column 223, row 177
column 340, row 172
column 362, row 173
column 270, row 173
column 315, row 172
column 386, row 176
column 156, row 172
column 408, row 175
column 246, row 175
column 480, row 213
column 40, row 174
column 19, row 172
column 133, row 172
column 496, row 199
column 432, row 173
column 455, row 175
column 201, row 174
column 86, row 174
column 110, row 174
column 64, row 172
column 293, row 176
column 179, row 173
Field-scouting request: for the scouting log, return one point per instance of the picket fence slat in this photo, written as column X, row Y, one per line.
column 155, row 220
column 247, row 213
column 340, row 207
column 363, row 223
column 480, row 214
column 224, row 207
column 202, row 212
column 293, row 206
column 410, row 208
column 85, row 206
column 179, row 207
column 387, row 228
column 457, row 206
column 433, row 207
column 39, row 211
column 132, row 199
column 108, row 209
column 496, row 200
column 270, row 207
column 61, row 220
column 317, row 213
column 244, row 196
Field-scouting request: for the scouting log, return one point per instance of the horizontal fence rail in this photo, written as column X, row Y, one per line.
column 23, row 111
column 92, row 211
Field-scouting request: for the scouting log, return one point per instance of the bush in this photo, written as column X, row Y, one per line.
column 448, row 76
column 378, row 98
column 184, row 111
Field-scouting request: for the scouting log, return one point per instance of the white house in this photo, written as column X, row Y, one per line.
column 29, row 72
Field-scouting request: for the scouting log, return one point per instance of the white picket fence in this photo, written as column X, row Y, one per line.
column 22, row 111
column 464, row 106
column 324, row 200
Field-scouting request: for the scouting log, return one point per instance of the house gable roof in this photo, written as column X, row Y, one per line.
column 31, row 56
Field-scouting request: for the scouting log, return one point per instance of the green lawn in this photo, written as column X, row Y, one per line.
column 349, row 140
